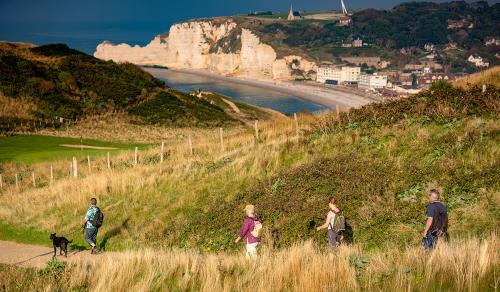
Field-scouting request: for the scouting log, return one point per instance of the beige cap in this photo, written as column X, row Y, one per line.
column 249, row 208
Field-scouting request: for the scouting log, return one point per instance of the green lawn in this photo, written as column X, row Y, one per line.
column 30, row 149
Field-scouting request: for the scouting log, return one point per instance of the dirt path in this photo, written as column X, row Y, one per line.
column 232, row 105
column 36, row 256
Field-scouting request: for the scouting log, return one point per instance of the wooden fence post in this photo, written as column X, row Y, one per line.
column 17, row 181
column 161, row 151
column 256, row 126
column 190, row 145
column 296, row 125
column 88, row 163
column 221, row 134
column 75, row 167
column 1, row 182
column 337, row 109
column 51, row 174
column 109, row 162
column 484, row 88
column 135, row 156
column 33, row 178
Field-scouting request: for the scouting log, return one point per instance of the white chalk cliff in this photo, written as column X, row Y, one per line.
column 222, row 48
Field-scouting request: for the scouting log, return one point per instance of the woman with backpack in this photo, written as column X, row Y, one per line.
column 335, row 223
column 251, row 229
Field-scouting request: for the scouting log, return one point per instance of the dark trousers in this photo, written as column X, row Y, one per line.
column 91, row 235
column 429, row 241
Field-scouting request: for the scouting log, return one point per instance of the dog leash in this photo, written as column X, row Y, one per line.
column 71, row 233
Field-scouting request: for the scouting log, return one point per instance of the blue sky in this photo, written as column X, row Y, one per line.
column 157, row 10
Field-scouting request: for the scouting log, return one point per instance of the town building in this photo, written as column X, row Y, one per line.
column 294, row 15
column 339, row 75
column 427, row 80
column 461, row 23
column 372, row 81
column 370, row 61
column 345, row 20
column 478, row 61
column 357, row 42
column 429, row 47
column 492, row 42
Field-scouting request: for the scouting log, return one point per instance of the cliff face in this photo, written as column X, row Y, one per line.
column 220, row 47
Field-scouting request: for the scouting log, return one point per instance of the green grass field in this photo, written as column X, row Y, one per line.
column 31, row 149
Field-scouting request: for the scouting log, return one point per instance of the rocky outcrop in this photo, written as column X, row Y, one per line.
column 219, row 47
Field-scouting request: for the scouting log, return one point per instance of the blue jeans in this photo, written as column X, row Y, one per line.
column 429, row 241
column 91, row 235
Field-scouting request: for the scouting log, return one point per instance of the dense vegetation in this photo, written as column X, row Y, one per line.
column 418, row 23
column 56, row 81
column 180, row 110
column 67, row 83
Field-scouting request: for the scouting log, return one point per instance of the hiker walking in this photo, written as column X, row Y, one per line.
column 251, row 230
column 436, row 225
column 335, row 222
column 93, row 221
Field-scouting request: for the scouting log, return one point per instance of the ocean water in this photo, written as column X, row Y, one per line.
column 263, row 97
column 82, row 36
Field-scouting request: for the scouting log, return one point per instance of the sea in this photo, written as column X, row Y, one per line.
column 86, row 36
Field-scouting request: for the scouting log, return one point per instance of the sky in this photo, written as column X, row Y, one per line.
column 156, row 10
column 83, row 24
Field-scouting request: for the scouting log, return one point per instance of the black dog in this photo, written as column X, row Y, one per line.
column 61, row 242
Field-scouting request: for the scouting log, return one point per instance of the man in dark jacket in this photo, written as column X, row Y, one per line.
column 436, row 225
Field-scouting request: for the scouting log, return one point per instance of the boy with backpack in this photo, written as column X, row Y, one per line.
column 335, row 222
column 93, row 221
column 251, row 230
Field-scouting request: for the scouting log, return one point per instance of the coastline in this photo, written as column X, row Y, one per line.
column 328, row 97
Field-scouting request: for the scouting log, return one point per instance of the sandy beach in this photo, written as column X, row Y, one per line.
column 329, row 97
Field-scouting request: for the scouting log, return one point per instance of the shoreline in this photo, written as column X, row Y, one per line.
column 325, row 96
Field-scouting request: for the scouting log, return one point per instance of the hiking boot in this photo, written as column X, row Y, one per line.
column 94, row 250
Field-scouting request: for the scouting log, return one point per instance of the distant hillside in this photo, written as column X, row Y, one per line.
column 45, row 82
column 408, row 25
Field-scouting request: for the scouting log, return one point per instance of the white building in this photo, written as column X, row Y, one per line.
column 369, row 81
column 339, row 74
column 478, row 61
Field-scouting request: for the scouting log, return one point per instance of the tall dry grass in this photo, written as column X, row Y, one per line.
column 488, row 76
column 471, row 265
column 21, row 108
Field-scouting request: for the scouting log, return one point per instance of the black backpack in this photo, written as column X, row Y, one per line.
column 98, row 218
column 440, row 224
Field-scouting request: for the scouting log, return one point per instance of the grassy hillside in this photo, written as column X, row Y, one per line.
column 489, row 76
column 378, row 160
column 40, row 83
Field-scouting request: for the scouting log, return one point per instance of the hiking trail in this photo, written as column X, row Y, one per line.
column 35, row 256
